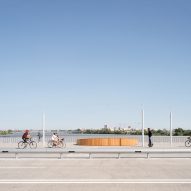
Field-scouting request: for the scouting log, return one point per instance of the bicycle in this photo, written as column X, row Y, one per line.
column 188, row 142
column 60, row 143
column 24, row 144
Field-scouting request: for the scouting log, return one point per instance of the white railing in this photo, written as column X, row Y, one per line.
column 73, row 138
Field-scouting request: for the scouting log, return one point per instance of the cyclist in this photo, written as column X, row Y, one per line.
column 55, row 139
column 26, row 136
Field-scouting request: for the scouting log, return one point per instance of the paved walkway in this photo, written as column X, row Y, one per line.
column 73, row 145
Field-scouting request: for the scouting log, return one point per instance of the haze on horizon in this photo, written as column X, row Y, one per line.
column 89, row 63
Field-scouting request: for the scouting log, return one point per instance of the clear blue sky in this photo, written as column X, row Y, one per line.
column 90, row 62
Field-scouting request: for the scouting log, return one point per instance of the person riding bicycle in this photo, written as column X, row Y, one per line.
column 55, row 139
column 26, row 136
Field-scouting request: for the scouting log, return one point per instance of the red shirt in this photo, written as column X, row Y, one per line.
column 25, row 135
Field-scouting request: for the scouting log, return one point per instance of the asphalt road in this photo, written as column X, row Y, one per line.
column 97, row 174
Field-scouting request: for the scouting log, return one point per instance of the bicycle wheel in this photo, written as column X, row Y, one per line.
column 64, row 145
column 22, row 145
column 50, row 144
column 33, row 145
column 188, row 143
column 60, row 144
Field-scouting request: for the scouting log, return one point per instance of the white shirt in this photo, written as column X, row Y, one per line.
column 54, row 138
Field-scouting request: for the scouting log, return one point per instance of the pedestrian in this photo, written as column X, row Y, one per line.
column 150, row 135
column 39, row 136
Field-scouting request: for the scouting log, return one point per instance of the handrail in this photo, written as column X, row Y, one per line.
column 119, row 154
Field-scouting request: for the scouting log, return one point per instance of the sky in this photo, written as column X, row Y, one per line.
column 86, row 63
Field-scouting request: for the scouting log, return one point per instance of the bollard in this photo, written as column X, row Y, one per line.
column 16, row 155
column 60, row 156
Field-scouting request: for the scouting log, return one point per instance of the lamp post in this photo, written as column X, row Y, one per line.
column 143, row 139
column 43, row 129
column 170, row 128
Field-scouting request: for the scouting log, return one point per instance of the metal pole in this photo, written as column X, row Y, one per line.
column 170, row 128
column 143, row 140
column 43, row 129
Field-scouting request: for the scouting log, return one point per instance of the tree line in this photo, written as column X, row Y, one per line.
column 5, row 132
column 155, row 132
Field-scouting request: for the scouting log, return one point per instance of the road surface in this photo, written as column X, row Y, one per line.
column 95, row 174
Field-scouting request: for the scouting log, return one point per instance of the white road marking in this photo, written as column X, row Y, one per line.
column 97, row 181
column 21, row 167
